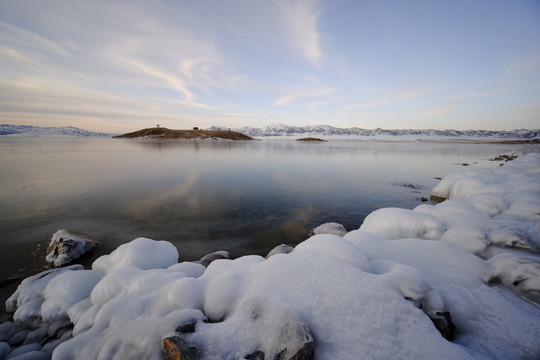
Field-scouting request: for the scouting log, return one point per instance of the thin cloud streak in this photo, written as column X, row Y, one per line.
column 305, row 94
column 384, row 102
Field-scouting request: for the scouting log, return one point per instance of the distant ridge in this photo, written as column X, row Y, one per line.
column 28, row 130
column 327, row 130
column 164, row 133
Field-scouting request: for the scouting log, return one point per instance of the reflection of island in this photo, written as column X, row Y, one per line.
column 164, row 133
column 311, row 139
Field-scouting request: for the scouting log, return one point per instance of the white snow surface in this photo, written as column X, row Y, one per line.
column 367, row 294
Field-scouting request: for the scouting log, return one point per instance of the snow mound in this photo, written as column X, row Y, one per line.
column 394, row 223
column 141, row 253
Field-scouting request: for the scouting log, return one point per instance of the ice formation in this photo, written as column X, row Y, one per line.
column 458, row 280
column 65, row 247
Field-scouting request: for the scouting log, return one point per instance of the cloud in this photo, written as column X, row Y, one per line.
column 461, row 96
column 413, row 97
column 392, row 100
column 301, row 20
column 305, row 94
column 172, row 81
column 30, row 39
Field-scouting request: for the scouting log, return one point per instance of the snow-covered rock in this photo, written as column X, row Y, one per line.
column 330, row 228
column 65, row 247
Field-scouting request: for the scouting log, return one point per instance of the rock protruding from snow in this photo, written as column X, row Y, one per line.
column 64, row 247
column 209, row 258
column 520, row 274
column 330, row 228
column 280, row 249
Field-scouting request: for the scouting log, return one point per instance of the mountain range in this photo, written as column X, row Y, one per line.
column 27, row 130
column 327, row 130
column 283, row 130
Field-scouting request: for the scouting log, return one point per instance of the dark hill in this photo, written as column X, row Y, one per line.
column 164, row 133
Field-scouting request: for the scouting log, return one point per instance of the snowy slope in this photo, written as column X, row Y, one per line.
column 26, row 130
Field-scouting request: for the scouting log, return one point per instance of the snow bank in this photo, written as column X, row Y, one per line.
column 442, row 281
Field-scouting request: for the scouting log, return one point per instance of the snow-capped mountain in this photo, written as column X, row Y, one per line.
column 327, row 130
column 27, row 130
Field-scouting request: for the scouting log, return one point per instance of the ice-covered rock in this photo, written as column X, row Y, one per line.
column 518, row 273
column 330, row 228
column 64, row 247
column 280, row 249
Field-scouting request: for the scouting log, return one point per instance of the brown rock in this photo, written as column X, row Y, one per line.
column 177, row 349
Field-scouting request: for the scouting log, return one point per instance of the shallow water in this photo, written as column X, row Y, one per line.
column 244, row 197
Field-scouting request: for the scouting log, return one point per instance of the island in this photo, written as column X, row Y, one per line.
column 311, row 139
column 164, row 133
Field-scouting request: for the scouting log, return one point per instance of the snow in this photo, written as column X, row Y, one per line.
column 65, row 247
column 141, row 253
column 377, row 292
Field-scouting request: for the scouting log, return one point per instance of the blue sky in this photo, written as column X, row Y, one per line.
column 111, row 65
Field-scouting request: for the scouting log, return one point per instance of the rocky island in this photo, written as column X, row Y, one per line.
column 164, row 133
column 308, row 139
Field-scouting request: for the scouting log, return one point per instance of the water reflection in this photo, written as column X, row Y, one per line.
column 244, row 197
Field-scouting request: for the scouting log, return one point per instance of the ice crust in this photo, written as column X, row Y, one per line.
column 369, row 294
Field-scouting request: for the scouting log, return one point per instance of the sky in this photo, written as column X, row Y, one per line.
column 119, row 65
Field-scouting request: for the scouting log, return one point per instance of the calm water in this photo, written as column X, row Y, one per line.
column 244, row 197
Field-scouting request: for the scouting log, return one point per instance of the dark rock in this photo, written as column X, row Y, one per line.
column 23, row 349
column 207, row 259
column 423, row 199
column 436, row 200
column 36, row 336
column 55, row 327
column 19, row 337
column 437, row 178
column 186, row 328
column 4, row 349
column 176, row 348
column 257, row 355
column 301, row 343
column 465, row 164
column 443, row 322
column 32, row 355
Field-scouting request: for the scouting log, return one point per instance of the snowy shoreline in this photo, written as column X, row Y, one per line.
column 375, row 292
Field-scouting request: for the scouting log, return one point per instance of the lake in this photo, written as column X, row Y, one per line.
column 204, row 196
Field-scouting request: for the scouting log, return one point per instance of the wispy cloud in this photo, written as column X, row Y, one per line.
column 174, row 82
column 31, row 39
column 377, row 103
column 305, row 94
column 301, row 19
column 414, row 97
column 460, row 96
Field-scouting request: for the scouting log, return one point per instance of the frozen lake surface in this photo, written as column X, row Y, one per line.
column 243, row 197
